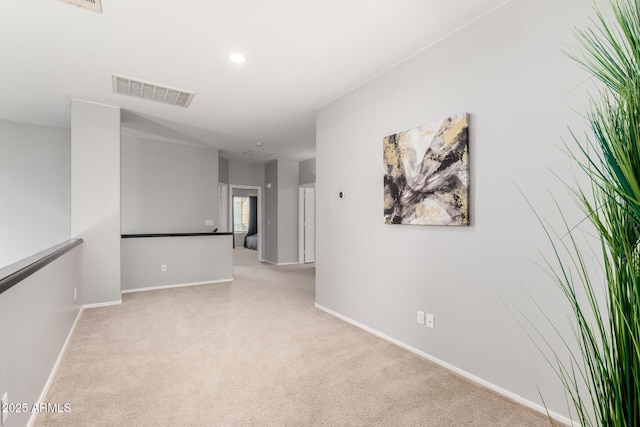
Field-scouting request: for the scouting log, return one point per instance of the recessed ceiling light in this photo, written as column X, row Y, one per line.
column 237, row 58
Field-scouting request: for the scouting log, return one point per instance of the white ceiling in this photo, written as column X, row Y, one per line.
column 301, row 55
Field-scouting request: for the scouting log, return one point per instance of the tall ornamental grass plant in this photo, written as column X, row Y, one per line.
column 602, row 378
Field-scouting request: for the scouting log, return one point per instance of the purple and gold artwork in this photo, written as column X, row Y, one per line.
column 426, row 174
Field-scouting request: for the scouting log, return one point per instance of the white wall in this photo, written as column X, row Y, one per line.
column 508, row 72
column 271, row 212
column 35, row 189
column 245, row 173
column 307, row 172
column 36, row 316
column 287, row 211
column 168, row 188
column 189, row 259
column 281, row 206
column 223, row 170
column 95, row 197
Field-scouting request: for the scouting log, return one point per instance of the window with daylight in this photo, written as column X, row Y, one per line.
column 240, row 214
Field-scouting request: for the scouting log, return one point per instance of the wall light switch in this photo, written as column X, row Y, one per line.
column 163, row 267
column 420, row 317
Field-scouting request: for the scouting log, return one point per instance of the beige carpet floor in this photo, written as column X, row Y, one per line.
column 254, row 352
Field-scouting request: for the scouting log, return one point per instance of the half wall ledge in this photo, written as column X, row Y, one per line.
column 14, row 273
column 135, row 236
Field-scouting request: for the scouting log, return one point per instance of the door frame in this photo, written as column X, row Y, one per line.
column 259, row 201
column 301, row 219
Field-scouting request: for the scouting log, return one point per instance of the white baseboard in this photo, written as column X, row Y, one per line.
column 52, row 375
column 102, row 304
column 280, row 263
column 478, row 380
column 179, row 285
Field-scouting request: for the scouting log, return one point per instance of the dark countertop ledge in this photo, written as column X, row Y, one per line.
column 135, row 236
column 15, row 273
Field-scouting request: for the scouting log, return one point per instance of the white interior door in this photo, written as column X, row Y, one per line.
column 223, row 191
column 309, row 225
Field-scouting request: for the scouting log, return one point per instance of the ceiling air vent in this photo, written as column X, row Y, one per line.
column 93, row 5
column 257, row 153
column 151, row 91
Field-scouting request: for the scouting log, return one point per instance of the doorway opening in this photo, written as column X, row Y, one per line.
column 245, row 217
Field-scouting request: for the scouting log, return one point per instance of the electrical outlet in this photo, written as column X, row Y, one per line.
column 163, row 267
column 430, row 321
column 421, row 317
column 4, row 413
column 208, row 222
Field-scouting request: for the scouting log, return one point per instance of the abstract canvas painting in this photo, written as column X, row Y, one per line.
column 426, row 174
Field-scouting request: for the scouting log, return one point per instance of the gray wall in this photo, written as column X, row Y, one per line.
column 223, row 170
column 36, row 316
column 168, row 187
column 189, row 259
column 245, row 173
column 95, row 197
column 271, row 212
column 35, row 189
column 281, row 206
column 287, row 211
column 307, row 172
column 507, row 70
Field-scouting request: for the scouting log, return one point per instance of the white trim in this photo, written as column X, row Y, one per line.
column 223, row 227
column 478, row 380
column 54, row 371
column 301, row 220
column 300, row 224
column 179, row 285
column 103, row 304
